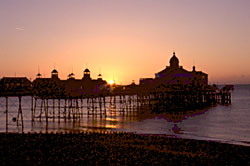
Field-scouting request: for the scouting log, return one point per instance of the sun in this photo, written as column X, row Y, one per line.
column 111, row 82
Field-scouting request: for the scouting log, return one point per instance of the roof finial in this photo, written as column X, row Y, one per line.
column 174, row 53
column 39, row 75
column 99, row 70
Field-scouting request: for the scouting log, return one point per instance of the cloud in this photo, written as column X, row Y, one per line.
column 19, row 29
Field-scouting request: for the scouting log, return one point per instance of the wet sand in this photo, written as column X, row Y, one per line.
column 110, row 148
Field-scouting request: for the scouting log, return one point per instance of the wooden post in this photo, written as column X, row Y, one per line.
column 104, row 105
column 20, row 112
column 59, row 116
column 121, row 105
column 70, row 107
column 115, row 102
column 41, row 109
column 32, row 110
column 47, row 110
column 88, row 106
column 53, row 107
column 81, row 108
column 93, row 106
column 100, row 105
column 6, row 114
column 65, row 109
column 77, row 110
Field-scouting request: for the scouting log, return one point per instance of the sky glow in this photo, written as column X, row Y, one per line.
column 125, row 39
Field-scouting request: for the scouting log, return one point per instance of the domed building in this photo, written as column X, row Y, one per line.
column 72, row 86
column 175, row 74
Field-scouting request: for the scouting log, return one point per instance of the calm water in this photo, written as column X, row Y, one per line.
column 229, row 124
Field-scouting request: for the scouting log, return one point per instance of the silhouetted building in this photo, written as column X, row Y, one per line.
column 175, row 74
column 54, row 87
column 15, row 86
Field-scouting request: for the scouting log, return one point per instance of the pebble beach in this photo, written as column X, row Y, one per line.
column 115, row 148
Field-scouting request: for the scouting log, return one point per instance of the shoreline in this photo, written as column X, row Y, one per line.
column 112, row 148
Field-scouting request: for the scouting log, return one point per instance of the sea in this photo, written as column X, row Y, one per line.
column 220, row 123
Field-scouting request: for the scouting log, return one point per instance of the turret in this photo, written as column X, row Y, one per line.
column 86, row 74
column 99, row 77
column 54, row 74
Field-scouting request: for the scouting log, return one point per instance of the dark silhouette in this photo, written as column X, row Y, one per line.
column 71, row 88
column 110, row 148
column 173, row 88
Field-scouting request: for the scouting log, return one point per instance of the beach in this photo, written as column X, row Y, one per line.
column 115, row 148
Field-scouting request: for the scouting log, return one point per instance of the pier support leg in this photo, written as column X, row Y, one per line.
column 7, row 119
column 47, row 110
column 65, row 109
column 100, row 105
column 104, row 105
column 88, row 106
column 20, row 112
column 59, row 106
column 53, row 108
column 32, row 110
column 41, row 110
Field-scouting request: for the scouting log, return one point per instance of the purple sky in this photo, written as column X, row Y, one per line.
column 125, row 39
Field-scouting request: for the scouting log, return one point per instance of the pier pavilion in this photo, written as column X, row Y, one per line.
column 70, row 88
column 176, row 74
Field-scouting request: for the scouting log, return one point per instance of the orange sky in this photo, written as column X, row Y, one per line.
column 125, row 39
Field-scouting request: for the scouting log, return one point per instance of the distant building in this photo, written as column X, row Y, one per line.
column 54, row 87
column 15, row 86
column 175, row 74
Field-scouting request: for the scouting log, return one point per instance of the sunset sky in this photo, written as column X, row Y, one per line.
column 125, row 39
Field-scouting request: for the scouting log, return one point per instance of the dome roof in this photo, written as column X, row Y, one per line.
column 174, row 61
column 86, row 70
column 54, row 71
column 71, row 75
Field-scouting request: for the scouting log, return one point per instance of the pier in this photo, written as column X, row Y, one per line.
column 173, row 89
column 122, row 102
